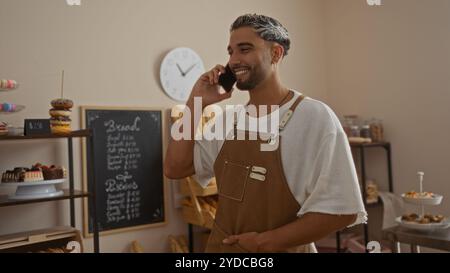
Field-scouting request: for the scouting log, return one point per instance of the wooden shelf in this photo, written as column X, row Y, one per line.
column 373, row 144
column 39, row 239
column 5, row 201
column 79, row 133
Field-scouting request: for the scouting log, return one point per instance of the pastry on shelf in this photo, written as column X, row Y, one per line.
column 34, row 174
column 16, row 175
column 413, row 194
column 53, row 172
column 371, row 192
column 37, row 172
column 422, row 197
column 3, row 129
column 60, row 116
column 10, row 107
column 6, row 85
column 426, row 219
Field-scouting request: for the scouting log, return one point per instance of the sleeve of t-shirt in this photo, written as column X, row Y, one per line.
column 205, row 153
column 334, row 187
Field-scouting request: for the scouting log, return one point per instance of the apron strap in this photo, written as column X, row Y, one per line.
column 287, row 116
column 284, row 120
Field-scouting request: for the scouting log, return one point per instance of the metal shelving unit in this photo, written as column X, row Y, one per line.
column 361, row 148
column 69, row 194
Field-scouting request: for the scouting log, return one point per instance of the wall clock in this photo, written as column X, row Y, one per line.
column 179, row 71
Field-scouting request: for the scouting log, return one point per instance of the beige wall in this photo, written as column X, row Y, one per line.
column 393, row 62
column 111, row 51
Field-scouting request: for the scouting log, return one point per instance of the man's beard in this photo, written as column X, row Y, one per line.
column 254, row 78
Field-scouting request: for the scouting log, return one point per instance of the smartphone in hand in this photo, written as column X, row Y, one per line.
column 227, row 79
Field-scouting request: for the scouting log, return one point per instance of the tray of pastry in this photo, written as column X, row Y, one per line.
column 428, row 222
column 422, row 198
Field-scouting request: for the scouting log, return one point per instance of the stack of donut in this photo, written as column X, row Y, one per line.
column 60, row 116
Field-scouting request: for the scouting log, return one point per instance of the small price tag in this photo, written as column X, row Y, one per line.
column 37, row 127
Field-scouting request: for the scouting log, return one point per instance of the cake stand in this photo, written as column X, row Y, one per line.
column 35, row 189
column 422, row 201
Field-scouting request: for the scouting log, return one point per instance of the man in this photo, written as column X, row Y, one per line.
column 270, row 201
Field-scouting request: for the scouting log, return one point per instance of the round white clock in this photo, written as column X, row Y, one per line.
column 179, row 71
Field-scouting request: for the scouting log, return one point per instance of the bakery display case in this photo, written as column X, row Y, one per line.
column 51, row 239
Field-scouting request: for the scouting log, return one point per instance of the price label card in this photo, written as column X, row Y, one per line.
column 37, row 127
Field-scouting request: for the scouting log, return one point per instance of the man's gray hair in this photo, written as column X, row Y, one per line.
column 267, row 28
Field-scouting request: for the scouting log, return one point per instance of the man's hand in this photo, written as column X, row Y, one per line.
column 207, row 87
column 306, row 229
column 248, row 241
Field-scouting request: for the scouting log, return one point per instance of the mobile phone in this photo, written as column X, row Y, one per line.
column 227, row 79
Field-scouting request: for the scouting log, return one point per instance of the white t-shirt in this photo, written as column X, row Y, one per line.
column 316, row 157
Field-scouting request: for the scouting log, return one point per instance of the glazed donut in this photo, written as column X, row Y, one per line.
column 60, row 122
column 61, row 129
column 62, row 103
column 59, row 112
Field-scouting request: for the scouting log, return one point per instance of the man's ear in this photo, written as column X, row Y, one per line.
column 277, row 53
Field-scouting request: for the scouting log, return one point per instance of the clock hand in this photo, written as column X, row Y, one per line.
column 189, row 69
column 181, row 71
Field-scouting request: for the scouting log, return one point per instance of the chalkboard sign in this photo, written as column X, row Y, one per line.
column 128, row 168
column 37, row 127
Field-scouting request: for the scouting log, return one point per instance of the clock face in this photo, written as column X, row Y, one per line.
column 180, row 69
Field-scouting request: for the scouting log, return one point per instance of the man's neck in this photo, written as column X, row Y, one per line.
column 269, row 92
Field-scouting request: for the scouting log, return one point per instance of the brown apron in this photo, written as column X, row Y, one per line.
column 253, row 193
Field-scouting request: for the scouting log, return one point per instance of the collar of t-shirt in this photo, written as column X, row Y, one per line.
column 264, row 123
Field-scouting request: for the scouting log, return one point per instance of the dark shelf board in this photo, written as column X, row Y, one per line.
column 5, row 201
column 79, row 133
column 373, row 144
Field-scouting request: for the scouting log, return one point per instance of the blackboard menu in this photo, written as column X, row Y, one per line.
column 128, row 167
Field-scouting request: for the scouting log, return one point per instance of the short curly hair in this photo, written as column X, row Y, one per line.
column 269, row 29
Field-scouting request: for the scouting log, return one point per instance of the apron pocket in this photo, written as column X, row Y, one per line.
column 233, row 180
